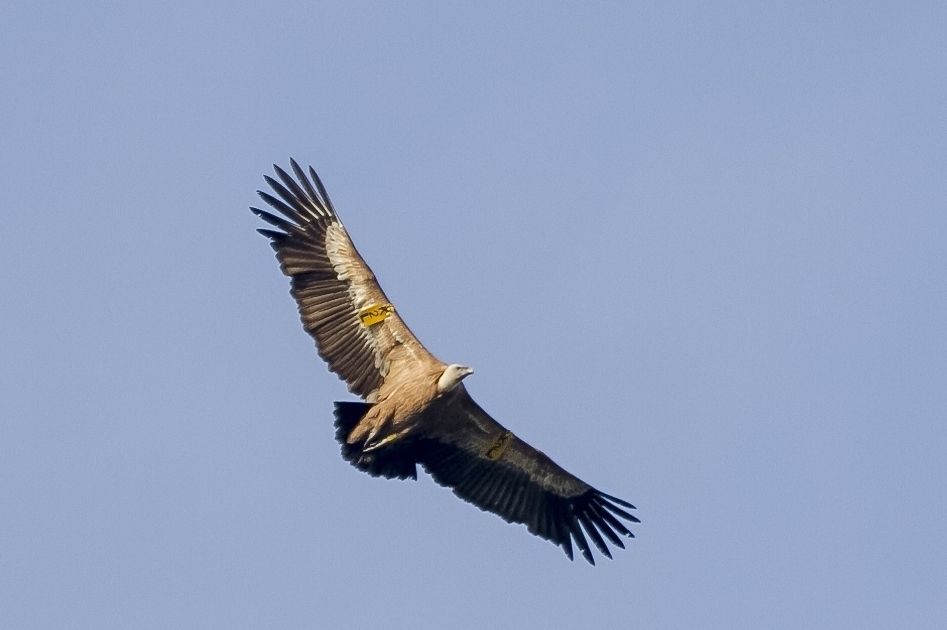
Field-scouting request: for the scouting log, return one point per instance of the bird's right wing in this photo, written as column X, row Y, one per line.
column 356, row 329
column 485, row 464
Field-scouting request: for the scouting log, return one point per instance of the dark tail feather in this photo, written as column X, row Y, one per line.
column 347, row 415
column 394, row 461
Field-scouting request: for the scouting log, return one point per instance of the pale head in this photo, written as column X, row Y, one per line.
column 452, row 376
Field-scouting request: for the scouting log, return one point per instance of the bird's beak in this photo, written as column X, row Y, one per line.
column 467, row 372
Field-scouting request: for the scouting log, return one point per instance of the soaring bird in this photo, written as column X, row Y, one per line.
column 416, row 409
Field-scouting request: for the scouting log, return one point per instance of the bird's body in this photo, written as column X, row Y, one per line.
column 401, row 404
column 416, row 409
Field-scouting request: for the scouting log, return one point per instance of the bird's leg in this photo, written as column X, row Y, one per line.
column 368, row 429
column 388, row 439
column 372, row 433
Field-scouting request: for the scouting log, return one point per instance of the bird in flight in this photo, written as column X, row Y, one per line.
column 416, row 409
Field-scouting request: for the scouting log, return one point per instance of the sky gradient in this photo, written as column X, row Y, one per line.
column 696, row 253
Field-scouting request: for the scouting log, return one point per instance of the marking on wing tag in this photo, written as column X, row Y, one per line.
column 375, row 314
column 499, row 447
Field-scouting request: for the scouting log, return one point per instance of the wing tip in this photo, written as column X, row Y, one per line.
column 273, row 235
column 597, row 514
column 616, row 500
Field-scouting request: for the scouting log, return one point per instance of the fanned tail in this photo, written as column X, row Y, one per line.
column 393, row 462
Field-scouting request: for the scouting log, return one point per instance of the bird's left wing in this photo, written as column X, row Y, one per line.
column 485, row 464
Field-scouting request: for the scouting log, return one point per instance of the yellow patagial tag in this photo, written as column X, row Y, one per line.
column 499, row 447
column 375, row 314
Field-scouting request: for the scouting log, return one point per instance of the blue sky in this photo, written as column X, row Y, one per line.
column 695, row 252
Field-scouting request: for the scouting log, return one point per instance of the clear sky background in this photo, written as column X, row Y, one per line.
column 695, row 252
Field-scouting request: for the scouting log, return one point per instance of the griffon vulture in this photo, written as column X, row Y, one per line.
column 416, row 409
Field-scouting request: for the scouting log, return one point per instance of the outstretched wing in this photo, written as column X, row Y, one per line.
column 485, row 464
column 356, row 329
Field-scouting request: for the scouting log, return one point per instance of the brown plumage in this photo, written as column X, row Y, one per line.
column 416, row 409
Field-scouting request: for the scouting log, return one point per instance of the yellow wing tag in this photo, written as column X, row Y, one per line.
column 375, row 314
column 499, row 447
